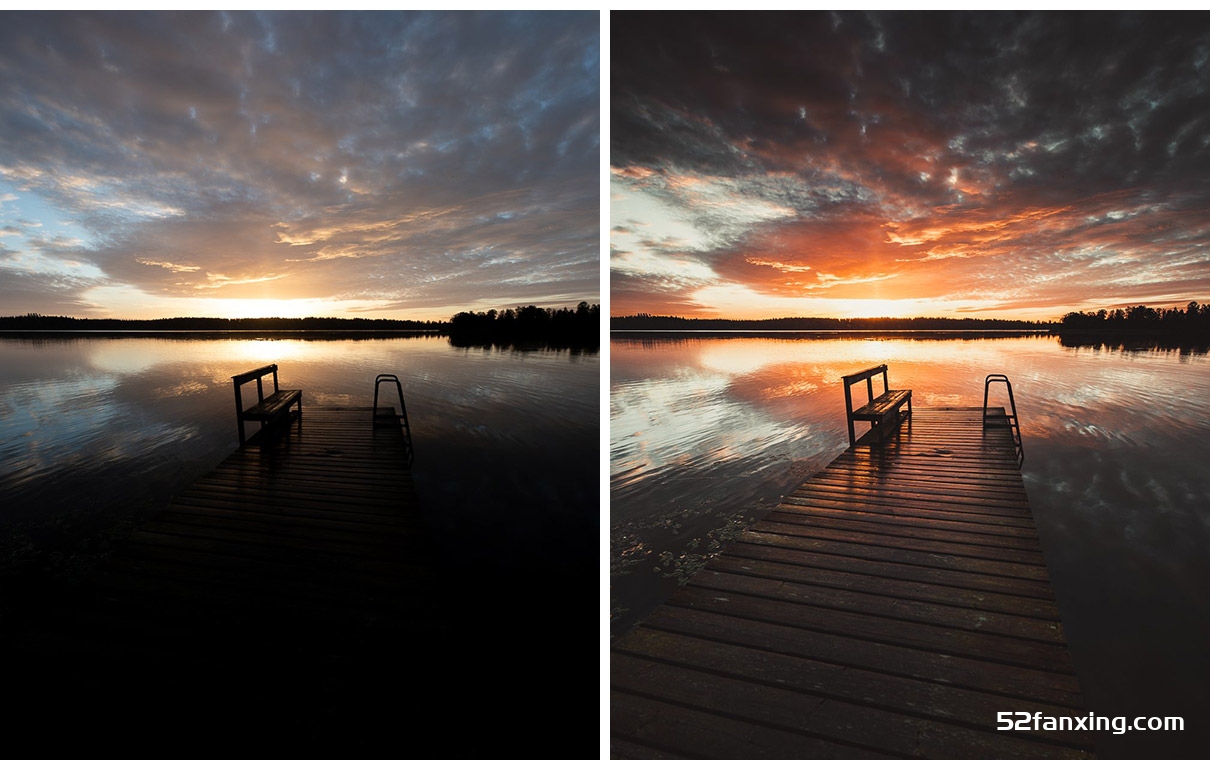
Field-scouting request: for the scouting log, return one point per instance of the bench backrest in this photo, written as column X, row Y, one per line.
column 249, row 376
column 868, row 376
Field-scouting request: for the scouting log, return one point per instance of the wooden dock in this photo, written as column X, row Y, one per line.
column 890, row 607
column 292, row 587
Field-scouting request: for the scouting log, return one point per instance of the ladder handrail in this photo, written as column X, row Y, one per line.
column 1014, row 424
column 403, row 411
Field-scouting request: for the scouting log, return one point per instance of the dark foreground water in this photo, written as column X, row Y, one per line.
column 706, row 433
column 98, row 432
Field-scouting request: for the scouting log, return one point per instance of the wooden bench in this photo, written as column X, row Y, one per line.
column 270, row 410
column 883, row 412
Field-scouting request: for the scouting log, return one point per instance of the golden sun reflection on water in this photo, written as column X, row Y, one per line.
column 131, row 356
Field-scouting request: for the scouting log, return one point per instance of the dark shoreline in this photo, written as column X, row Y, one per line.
column 194, row 334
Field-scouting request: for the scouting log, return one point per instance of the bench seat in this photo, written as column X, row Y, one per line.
column 273, row 405
column 882, row 406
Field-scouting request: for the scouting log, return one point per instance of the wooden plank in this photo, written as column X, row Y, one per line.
column 272, row 405
column 935, row 497
column 305, row 555
column 871, row 656
column 917, row 540
column 881, row 567
column 741, row 608
column 823, row 716
column 884, row 606
column 880, row 406
column 937, row 701
column 901, row 518
column 673, row 730
column 919, row 558
column 804, row 571
column 353, row 526
column 891, row 506
column 872, row 522
column 849, row 471
column 891, row 604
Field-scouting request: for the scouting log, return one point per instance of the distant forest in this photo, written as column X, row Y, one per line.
column 34, row 322
column 527, row 326
column 649, row 322
column 579, row 327
column 1193, row 320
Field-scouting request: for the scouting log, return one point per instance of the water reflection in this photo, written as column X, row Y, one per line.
column 729, row 398
column 706, row 433
column 507, row 441
column 1158, row 343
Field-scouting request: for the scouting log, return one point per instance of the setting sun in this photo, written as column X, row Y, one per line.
column 858, row 308
column 252, row 308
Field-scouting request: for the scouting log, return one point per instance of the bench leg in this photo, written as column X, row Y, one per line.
column 890, row 422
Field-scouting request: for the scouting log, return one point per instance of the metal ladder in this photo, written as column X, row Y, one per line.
column 386, row 417
column 1001, row 418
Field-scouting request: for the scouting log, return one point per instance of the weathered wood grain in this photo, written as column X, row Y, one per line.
column 892, row 604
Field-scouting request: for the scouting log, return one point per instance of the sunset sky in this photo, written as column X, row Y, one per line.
column 908, row 164
column 296, row 164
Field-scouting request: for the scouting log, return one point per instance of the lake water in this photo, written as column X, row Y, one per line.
column 96, row 432
column 708, row 432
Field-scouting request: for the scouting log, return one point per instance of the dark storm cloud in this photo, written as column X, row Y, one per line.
column 359, row 156
column 903, row 145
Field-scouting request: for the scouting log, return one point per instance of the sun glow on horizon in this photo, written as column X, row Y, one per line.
column 735, row 301
column 128, row 302
column 869, row 308
column 255, row 308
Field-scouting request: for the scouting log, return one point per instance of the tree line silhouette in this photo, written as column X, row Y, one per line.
column 1194, row 319
column 649, row 322
column 579, row 327
column 34, row 322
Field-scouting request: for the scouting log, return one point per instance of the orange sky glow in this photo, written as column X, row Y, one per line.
column 866, row 165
